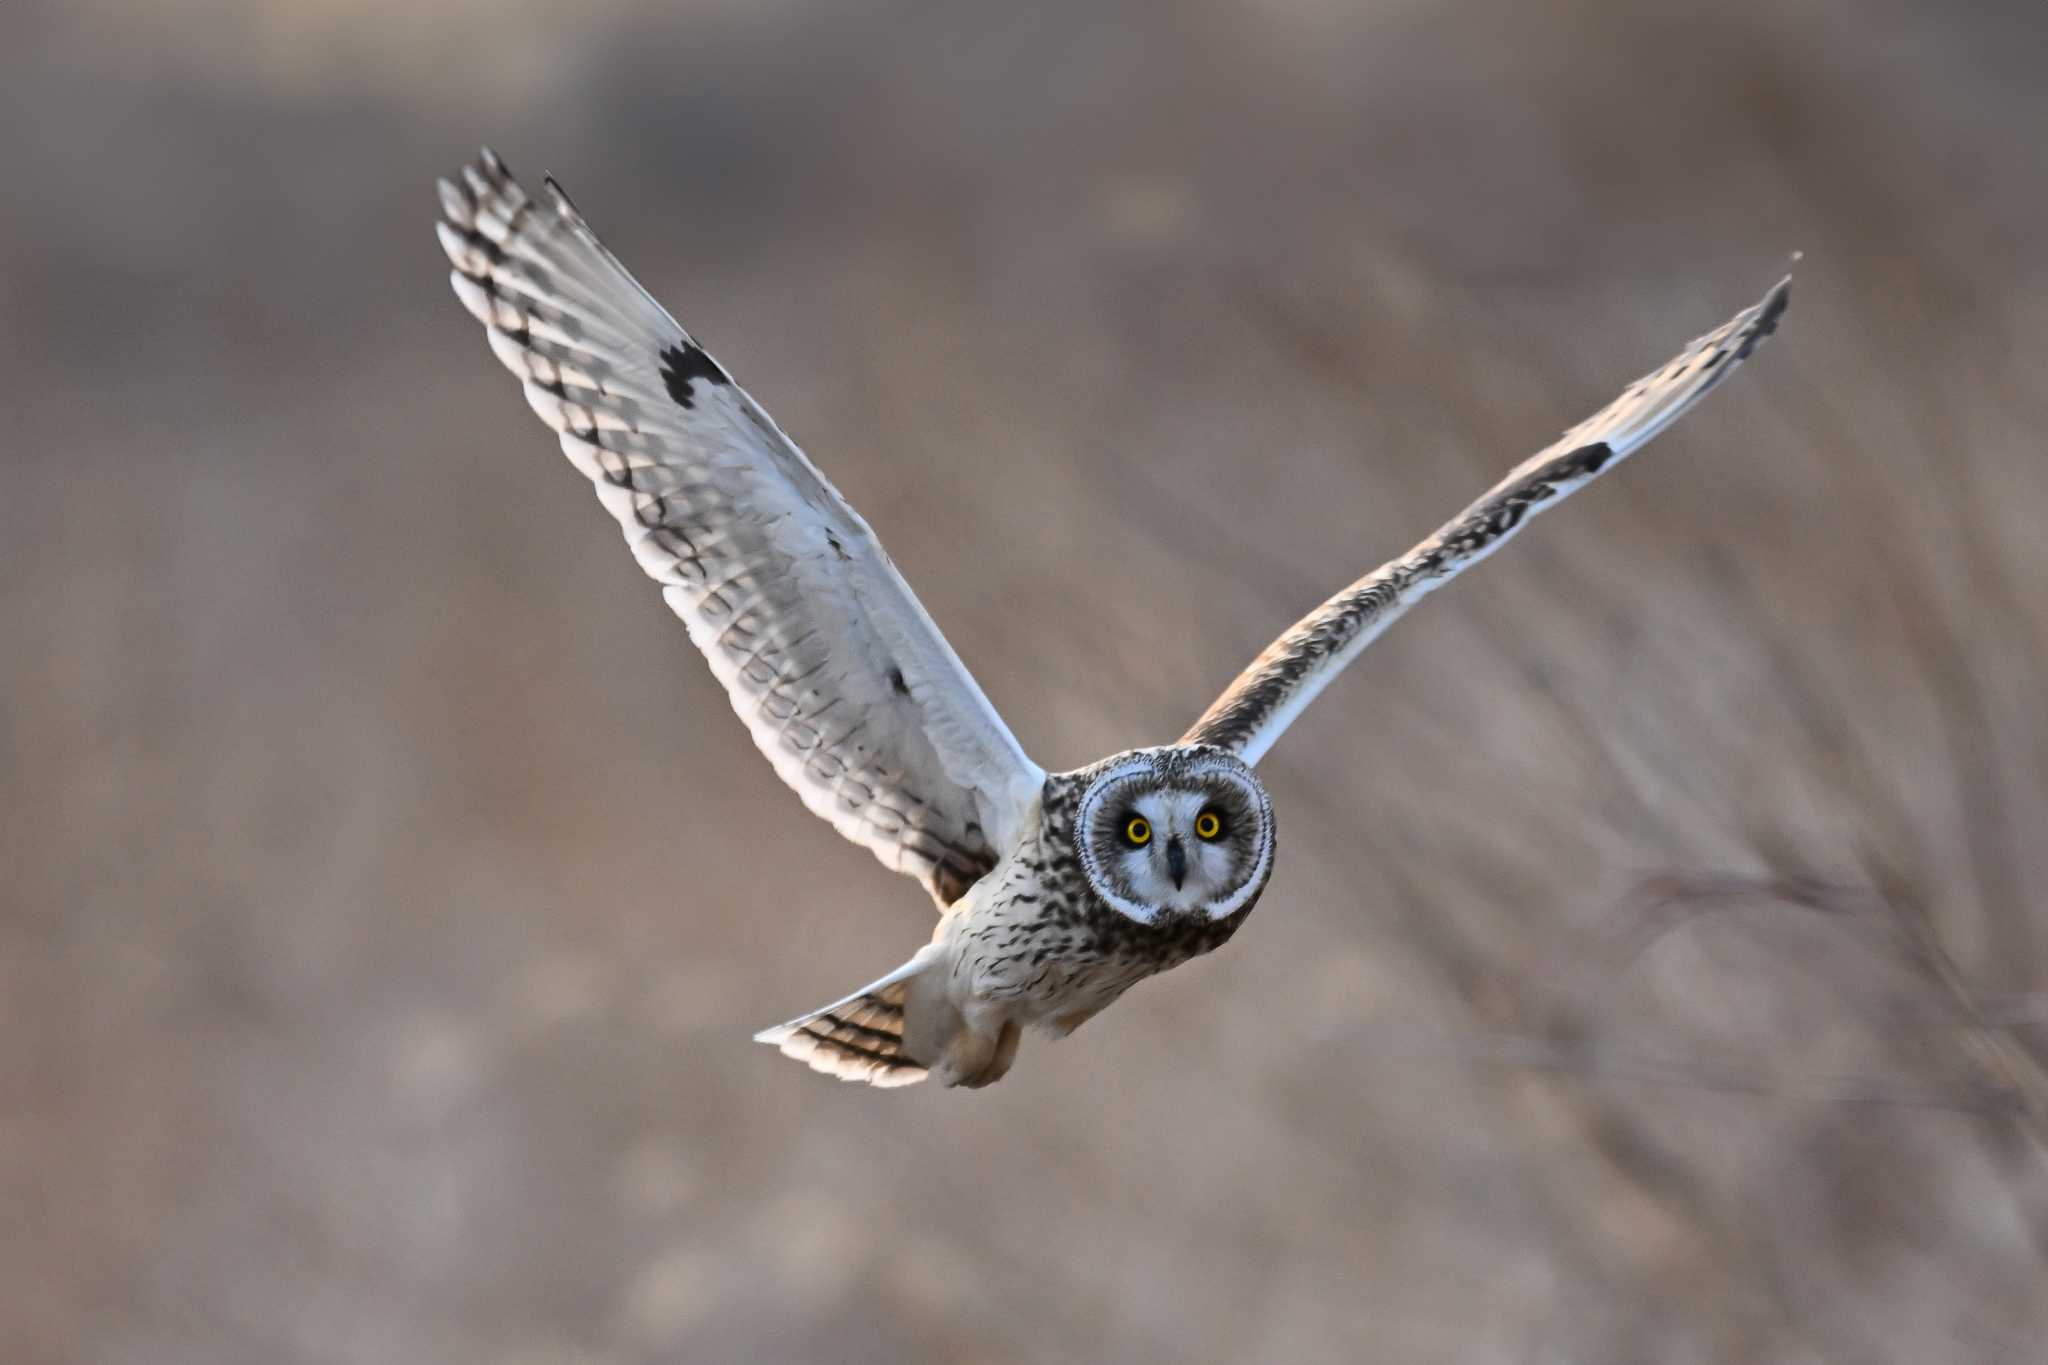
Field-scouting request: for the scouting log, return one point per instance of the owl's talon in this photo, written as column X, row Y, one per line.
column 974, row 1059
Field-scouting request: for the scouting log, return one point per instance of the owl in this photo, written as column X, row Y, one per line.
column 1057, row 891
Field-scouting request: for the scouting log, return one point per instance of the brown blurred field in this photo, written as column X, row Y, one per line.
column 1654, row 972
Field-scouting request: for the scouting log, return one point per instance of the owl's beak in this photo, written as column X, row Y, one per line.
column 1176, row 861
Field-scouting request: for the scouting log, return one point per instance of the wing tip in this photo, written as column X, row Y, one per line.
column 1768, row 311
column 1774, row 305
column 564, row 205
column 474, row 186
column 456, row 207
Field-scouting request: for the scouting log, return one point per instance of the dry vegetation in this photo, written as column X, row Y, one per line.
column 1655, row 971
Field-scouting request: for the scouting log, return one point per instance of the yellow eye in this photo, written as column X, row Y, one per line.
column 1138, row 832
column 1208, row 824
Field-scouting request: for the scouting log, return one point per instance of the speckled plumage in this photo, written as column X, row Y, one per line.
column 1058, row 892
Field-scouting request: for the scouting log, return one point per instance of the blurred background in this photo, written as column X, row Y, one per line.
column 1653, row 972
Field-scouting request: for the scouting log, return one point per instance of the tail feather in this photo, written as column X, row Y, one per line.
column 859, row 1038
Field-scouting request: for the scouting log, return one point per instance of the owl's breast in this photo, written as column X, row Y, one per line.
column 1022, row 941
column 1037, row 944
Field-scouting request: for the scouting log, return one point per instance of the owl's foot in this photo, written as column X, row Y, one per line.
column 975, row 1059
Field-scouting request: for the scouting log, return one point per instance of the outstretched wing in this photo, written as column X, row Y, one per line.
column 841, row 677
column 1264, row 700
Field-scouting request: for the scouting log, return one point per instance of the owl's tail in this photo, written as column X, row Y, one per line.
column 859, row 1038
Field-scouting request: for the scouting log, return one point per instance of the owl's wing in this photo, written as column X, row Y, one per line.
column 1264, row 700
column 841, row 677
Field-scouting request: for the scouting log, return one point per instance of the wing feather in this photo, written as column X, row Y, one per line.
column 1258, row 707
column 829, row 659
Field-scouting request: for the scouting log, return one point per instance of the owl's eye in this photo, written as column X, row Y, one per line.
column 1137, row 831
column 1209, row 824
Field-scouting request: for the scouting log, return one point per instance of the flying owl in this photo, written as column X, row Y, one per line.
column 1057, row 891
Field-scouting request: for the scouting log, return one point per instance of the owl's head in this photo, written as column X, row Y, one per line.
column 1182, row 830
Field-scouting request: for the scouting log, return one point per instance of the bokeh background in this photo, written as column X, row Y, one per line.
column 1655, row 970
